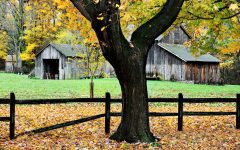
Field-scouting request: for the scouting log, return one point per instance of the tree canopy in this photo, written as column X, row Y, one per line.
column 214, row 29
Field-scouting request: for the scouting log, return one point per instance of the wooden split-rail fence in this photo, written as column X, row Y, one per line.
column 107, row 115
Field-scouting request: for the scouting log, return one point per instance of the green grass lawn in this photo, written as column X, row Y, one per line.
column 26, row 88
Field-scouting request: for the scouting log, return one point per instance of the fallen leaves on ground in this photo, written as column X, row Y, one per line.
column 215, row 132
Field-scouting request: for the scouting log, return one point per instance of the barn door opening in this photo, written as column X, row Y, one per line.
column 51, row 68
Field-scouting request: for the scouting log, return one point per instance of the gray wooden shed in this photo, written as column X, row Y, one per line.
column 12, row 63
column 58, row 61
column 172, row 60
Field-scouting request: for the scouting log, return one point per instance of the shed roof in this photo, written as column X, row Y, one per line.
column 184, row 53
column 66, row 49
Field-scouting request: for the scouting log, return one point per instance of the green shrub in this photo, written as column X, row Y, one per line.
column 160, row 77
column 221, row 81
column 103, row 75
column 173, row 78
column 27, row 67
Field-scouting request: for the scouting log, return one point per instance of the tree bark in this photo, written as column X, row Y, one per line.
column 134, row 125
column 91, row 84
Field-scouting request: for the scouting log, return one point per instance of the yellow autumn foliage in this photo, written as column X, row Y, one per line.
column 28, row 54
column 51, row 17
column 233, row 47
column 3, row 44
column 54, row 16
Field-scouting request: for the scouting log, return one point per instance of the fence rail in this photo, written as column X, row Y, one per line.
column 107, row 115
column 4, row 118
column 101, row 100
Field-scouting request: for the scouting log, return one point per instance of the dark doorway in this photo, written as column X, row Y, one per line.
column 2, row 64
column 51, row 68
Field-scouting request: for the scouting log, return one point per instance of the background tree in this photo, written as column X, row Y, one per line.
column 92, row 62
column 42, row 25
column 93, row 59
column 12, row 22
column 128, row 59
column 88, row 50
column 3, row 44
column 215, row 29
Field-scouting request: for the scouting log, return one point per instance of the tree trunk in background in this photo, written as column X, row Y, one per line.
column 91, row 84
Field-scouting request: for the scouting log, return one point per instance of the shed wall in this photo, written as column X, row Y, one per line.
column 203, row 72
column 72, row 69
column 165, row 64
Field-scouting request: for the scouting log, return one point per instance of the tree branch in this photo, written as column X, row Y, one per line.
column 85, row 7
column 200, row 17
column 148, row 32
column 210, row 18
column 229, row 17
column 184, row 30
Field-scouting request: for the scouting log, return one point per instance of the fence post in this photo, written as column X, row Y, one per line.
column 107, row 113
column 12, row 115
column 180, row 112
column 238, row 112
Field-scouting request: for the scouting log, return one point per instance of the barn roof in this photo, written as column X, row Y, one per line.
column 184, row 53
column 66, row 49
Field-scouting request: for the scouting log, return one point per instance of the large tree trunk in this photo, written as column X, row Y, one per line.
column 134, row 125
column 128, row 59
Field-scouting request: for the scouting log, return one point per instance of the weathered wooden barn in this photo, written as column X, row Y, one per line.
column 58, row 61
column 176, row 61
column 169, row 58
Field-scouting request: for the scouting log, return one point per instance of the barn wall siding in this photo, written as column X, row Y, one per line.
column 73, row 70
column 51, row 53
column 203, row 72
column 176, row 36
column 38, row 66
column 150, row 61
column 165, row 64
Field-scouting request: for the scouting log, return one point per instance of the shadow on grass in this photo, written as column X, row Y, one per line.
column 61, row 125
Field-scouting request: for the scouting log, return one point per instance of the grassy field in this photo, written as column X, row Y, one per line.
column 26, row 88
column 208, row 132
